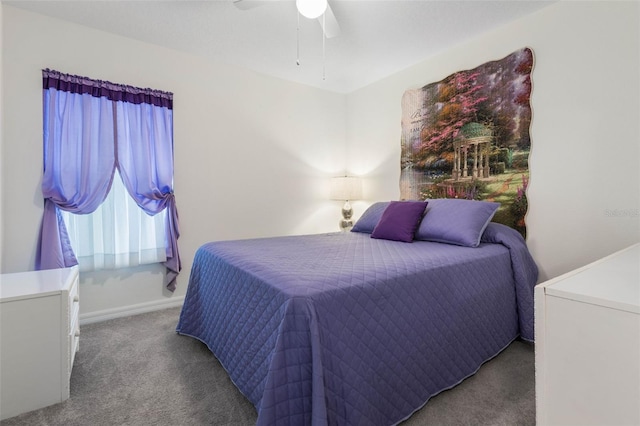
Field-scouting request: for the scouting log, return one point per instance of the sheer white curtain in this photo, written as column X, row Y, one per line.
column 118, row 234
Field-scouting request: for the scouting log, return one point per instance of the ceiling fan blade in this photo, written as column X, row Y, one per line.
column 247, row 4
column 331, row 27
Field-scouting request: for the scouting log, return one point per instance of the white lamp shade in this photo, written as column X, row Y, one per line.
column 346, row 188
column 311, row 8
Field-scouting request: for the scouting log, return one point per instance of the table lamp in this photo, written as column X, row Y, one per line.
column 346, row 188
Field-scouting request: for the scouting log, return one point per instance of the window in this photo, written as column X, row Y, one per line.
column 105, row 141
column 118, row 234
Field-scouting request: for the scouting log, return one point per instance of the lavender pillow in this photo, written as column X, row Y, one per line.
column 456, row 221
column 399, row 221
column 370, row 218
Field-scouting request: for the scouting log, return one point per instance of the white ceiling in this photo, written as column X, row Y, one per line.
column 378, row 38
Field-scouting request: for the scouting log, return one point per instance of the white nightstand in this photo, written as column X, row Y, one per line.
column 588, row 344
column 39, row 333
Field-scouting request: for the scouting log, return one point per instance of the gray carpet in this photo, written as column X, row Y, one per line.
column 138, row 371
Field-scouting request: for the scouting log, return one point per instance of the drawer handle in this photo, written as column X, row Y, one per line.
column 77, row 333
column 76, row 298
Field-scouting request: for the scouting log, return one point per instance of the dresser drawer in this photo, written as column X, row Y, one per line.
column 74, row 322
column 74, row 294
column 74, row 343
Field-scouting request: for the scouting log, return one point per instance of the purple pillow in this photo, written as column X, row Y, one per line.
column 456, row 221
column 399, row 221
column 370, row 218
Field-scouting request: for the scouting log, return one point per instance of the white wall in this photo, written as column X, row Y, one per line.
column 585, row 134
column 252, row 153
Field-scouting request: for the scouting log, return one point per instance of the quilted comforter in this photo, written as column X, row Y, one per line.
column 345, row 329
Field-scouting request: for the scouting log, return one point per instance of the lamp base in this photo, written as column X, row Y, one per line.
column 346, row 223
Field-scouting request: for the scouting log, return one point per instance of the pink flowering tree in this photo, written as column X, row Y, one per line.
column 458, row 100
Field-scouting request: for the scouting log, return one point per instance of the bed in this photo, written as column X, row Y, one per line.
column 346, row 328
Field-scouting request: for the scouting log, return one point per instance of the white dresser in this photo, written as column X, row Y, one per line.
column 39, row 332
column 588, row 344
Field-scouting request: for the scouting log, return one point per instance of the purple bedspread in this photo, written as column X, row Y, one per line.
column 345, row 329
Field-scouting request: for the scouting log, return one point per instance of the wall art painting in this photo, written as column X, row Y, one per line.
column 467, row 136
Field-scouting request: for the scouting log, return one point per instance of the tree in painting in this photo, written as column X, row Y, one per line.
column 457, row 100
column 467, row 136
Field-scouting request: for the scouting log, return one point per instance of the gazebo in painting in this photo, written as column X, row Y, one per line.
column 474, row 139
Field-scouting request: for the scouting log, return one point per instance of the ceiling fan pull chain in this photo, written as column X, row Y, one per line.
column 324, row 38
column 298, row 41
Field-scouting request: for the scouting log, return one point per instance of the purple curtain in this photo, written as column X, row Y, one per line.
column 145, row 161
column 90, row 128
column 79, row 162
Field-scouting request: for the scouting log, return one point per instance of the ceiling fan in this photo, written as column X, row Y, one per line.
column 318, row 12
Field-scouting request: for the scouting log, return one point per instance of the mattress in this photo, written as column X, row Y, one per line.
column 345, row 329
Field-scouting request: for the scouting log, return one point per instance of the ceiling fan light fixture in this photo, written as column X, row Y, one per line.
column 311, row 8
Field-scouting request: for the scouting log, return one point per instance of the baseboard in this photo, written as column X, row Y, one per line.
column 126, row 311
